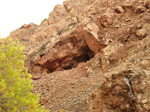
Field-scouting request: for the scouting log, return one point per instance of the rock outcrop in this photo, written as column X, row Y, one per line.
column 91, row 56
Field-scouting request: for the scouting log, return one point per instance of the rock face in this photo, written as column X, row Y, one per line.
column 91, row 56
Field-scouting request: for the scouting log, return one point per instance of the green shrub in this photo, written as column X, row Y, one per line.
column 15, row 81
column 44, row 20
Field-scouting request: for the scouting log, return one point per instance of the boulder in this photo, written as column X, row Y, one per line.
column 91, row 38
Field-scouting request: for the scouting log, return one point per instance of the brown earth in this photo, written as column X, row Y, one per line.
column 91, row 56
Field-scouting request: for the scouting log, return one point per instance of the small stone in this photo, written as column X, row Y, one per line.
column 24, row 26
column 139, row 26
column 107, row 18
column 140, row 9
column 141, row 33
column 131, row 30
column 43, row 101
column 144, row 101
column 36, row 77
column 81, row 64
column 126, row 5
column 119, row 9
column 67, row 6
column 30, row 25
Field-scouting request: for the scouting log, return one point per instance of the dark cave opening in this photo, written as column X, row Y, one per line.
column 74, row 61
column 83, row 55
column 86, row 55
column 87, row 58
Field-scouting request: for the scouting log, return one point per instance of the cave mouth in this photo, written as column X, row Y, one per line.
column 84, row 55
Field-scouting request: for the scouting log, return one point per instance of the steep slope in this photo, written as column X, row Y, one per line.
column 91, row 56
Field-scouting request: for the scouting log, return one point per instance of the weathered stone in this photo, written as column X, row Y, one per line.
column 141, row 33
column 114, row 52
column 43, row 101
column 127, row 4
column 119, row 9
column 91, row 38
column 131, row 30
column 58, row 10
column 36, row 76
column 67, row 6
column 140, row 9
column 107, row 18
column 139, row 26
column 93, row 29
column 66, row 53
column 24, row 26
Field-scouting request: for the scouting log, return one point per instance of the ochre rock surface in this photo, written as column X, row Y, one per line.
column 91, row 56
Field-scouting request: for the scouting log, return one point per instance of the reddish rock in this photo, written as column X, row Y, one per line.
column 36, row 77
column 66, row 53
column 24, row 31
column 43, row 101
column 91, row 56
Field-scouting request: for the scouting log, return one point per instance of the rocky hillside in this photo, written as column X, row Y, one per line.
column 91, row 56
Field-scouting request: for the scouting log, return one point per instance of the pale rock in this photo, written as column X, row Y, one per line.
column 58, row 13
column 24, row 26
column 140, row 9
column 91, row 38
column 93, row 29
column 141, row 33
column 119, row 9
column 127, row 4
column 67, row 5
column 139, row 26
column 107, row 18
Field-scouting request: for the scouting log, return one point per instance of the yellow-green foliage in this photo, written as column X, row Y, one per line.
column 44, row 20
column 15, row 82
